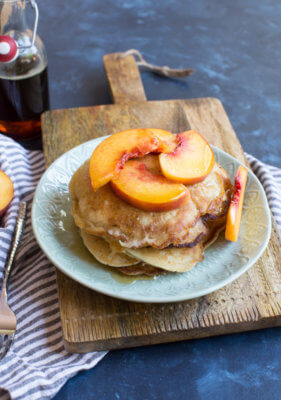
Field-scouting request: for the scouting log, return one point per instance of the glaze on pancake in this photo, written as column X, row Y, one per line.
column 103, row 214
column 141, row 269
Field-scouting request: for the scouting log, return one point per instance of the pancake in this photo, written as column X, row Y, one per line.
column 180, row 259
column 173, row 259
column 215, row 227
column 150, row 261
column 121, row 262
column 101, row 250
column 103, row 214
column 212, row 195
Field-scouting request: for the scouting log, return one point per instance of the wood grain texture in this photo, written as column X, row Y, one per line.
column 123, row 78
column 92, row 321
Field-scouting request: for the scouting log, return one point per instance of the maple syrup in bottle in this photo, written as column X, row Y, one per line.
column 24, row 92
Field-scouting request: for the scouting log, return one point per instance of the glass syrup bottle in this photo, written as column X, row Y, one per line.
column 24, row 92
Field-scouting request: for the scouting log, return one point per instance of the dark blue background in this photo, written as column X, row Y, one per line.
column 235, row 47
column 244, row 367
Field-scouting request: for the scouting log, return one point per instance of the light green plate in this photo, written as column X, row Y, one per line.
column 224, row 261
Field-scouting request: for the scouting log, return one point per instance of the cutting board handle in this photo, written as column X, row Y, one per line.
column 124, row 78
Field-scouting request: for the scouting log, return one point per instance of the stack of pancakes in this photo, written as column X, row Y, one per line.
column 138, row 242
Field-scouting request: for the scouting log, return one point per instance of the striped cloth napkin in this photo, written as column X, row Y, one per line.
column 37, row 364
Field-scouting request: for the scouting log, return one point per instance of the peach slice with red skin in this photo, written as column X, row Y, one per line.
column 110, row 155
column 150, row 192
column 6, row 192
column 191, row 161
column 234, row 213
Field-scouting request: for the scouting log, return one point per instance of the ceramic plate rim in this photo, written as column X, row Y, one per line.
column 152, row 299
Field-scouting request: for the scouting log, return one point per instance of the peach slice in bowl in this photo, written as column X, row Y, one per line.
column 110, row 155
column 191, row 161
column 148, row 191
column 234, row 213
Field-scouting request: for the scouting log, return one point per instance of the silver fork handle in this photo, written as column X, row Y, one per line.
column 19, row 228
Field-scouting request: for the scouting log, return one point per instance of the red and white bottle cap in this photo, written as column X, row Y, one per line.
column 8, row 49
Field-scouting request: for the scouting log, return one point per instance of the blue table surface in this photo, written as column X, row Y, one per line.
column 235, row 48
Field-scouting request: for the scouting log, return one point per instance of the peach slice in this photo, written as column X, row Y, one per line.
column 167, row 140
column 150, row 192
column 191, row 161
column 110, row 155
column 234, row 213
column 6, row 192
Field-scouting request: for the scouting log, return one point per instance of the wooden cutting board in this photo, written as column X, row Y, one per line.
column 92, row 321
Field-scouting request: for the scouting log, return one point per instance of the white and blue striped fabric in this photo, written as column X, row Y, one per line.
column 270, row 178
column 37, row 364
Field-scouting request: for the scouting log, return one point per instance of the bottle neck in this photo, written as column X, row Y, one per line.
column 13, row 19
column 13, row 16
column 19, row 20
